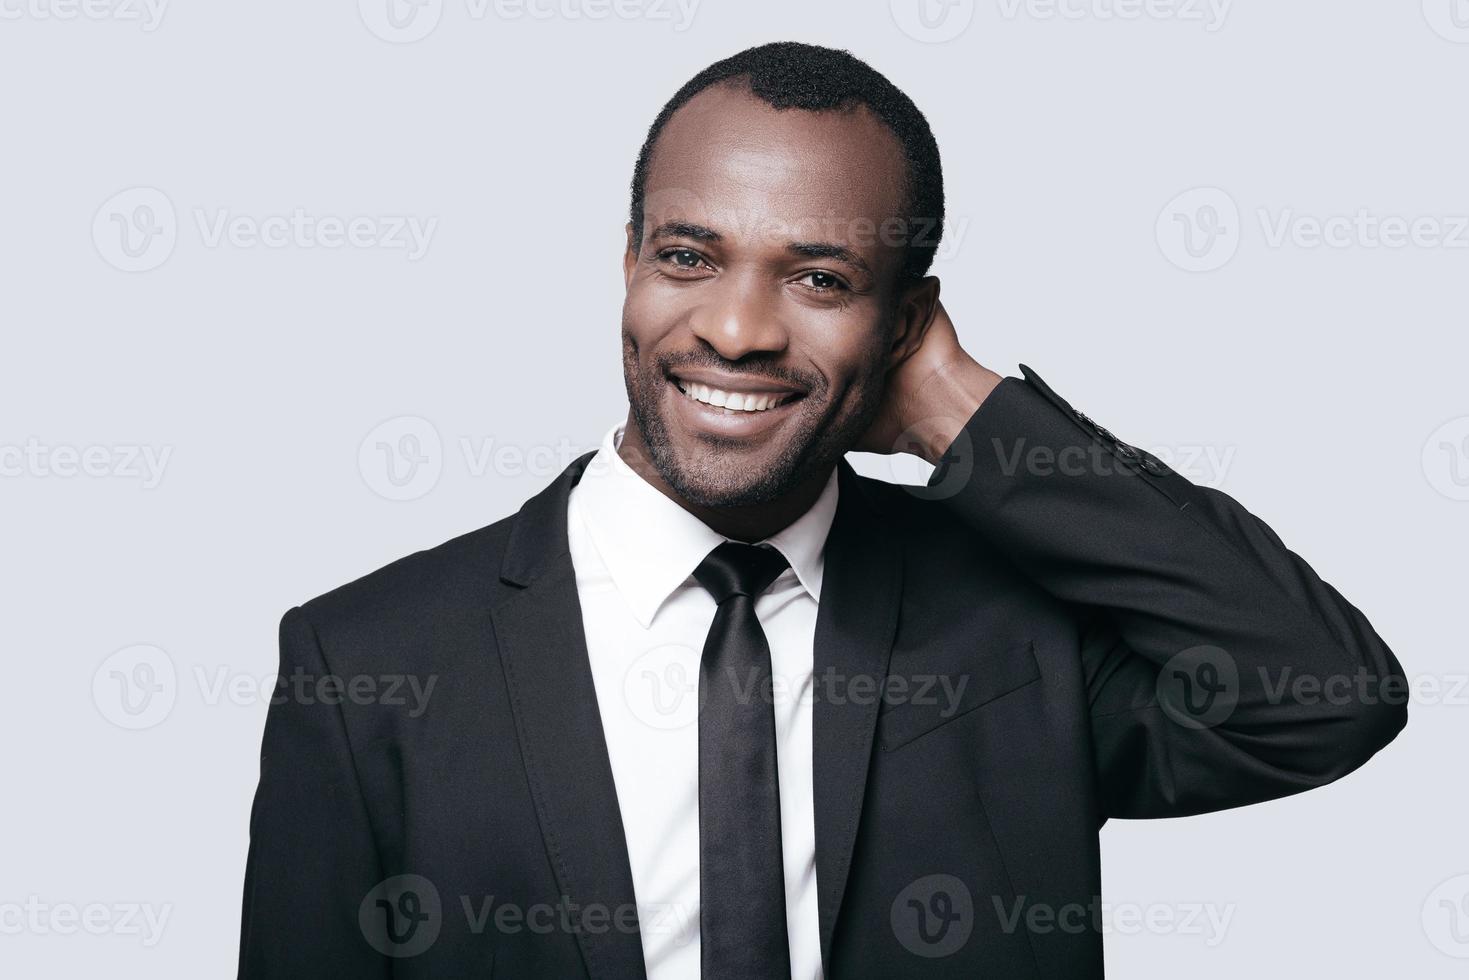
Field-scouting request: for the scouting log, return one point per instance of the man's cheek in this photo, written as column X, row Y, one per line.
column 648, row 319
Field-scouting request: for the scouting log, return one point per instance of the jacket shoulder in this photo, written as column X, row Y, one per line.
column 464, row 569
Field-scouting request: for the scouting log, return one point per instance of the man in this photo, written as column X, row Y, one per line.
column 713, row 705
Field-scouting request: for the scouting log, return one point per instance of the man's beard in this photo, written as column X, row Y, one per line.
column 812, row 441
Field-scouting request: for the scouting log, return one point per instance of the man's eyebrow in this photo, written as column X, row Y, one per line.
column 683, row 229
column 829, row 250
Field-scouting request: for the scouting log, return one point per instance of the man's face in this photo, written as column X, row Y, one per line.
column 762, row 302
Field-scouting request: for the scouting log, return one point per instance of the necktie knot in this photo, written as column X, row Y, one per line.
column 734, row 568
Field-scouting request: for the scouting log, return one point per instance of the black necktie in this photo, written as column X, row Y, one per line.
column 742, row 900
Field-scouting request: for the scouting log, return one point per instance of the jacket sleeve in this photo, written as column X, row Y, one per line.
column 312, row 858
column 1220, row 669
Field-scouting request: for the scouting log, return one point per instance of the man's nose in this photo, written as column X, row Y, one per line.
column 740, row 317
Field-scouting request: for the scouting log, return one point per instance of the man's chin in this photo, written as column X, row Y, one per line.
column 717, row 462
column 725, row 477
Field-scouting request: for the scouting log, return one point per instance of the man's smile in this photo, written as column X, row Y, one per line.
column 731, row 406
column 735, row 393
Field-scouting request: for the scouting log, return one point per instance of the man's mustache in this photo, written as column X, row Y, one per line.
column 755, row 367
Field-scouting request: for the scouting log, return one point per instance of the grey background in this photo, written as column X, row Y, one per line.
column 1326, row 380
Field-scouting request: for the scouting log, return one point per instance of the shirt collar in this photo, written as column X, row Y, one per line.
column 650, row 545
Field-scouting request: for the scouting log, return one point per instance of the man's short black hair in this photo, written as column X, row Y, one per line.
column 790, row 75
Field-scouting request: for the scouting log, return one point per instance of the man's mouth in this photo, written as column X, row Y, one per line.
column 735, row 397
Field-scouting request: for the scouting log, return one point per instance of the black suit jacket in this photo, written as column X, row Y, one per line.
column 1120, row 635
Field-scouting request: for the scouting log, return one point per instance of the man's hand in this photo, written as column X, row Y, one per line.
column 931, row 393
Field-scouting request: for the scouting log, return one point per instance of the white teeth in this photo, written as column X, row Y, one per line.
column 734, row 401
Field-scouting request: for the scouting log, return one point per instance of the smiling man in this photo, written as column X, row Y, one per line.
column 713, row 705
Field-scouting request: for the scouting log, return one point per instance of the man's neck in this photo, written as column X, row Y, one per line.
column 754, row 522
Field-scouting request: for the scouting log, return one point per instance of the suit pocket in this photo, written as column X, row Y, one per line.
column 931, row 692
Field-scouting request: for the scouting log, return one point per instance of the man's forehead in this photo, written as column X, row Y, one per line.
column 728, row 161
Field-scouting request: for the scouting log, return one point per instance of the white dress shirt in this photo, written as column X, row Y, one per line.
column 646, row 619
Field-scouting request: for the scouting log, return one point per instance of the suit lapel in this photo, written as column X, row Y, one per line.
column 543, row 648
column 855, row 625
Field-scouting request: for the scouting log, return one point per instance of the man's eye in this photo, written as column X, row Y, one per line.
column 682, row 257
column 822, row 280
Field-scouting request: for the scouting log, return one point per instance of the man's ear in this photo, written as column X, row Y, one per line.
column 917, row 304
column 629, row 258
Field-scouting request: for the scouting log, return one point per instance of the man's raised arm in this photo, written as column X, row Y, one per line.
column 1221, row 669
